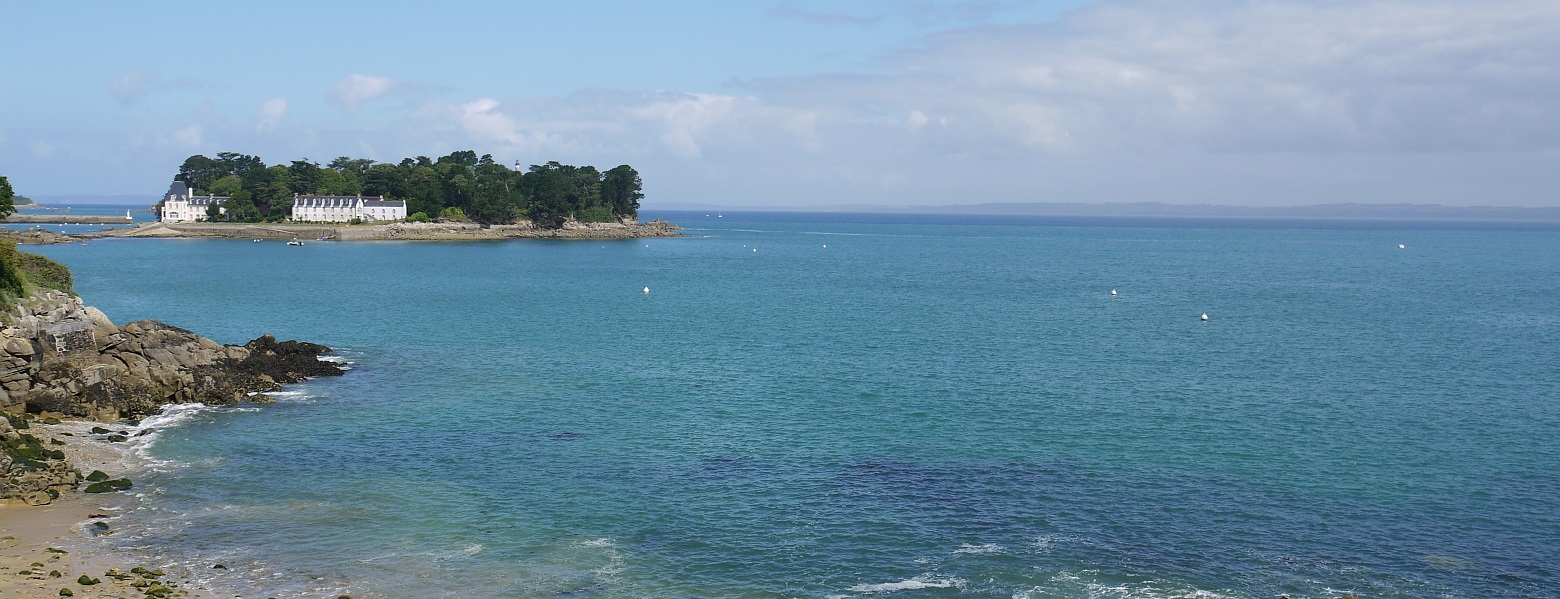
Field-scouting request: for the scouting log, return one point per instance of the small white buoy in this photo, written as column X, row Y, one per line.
column 755, row 249
column 1205, row 316
column 1113, row 292
column 825, row 245
column 647, row 290
column 1400, row 246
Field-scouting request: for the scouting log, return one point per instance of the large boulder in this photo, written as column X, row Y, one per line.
column 110, row 372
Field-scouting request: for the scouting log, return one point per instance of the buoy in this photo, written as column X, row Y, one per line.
column 755, row 249
column 1205, row 316
column 1400, row 246
column 647, row 290
column 1113, row 292
column 825, row 245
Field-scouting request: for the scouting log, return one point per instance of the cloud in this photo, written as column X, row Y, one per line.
column 356, row 89
column 189, row 137
column 927, row 13
column 135, row 86
column 682, row 118
column 1226, row 76
column 132, row 87
column 792, row 12
column 482, row 122
column 270, row 114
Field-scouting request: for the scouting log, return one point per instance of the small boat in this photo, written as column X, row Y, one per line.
column 295, row 242
column 256, row 241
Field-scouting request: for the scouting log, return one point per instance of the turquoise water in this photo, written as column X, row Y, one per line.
column 871, row 406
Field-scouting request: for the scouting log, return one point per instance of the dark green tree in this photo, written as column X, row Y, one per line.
column 305, row 176
column 199, row 172
column 6, row 195
column 621, row 191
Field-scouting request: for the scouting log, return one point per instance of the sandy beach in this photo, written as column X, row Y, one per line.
column 46, row 550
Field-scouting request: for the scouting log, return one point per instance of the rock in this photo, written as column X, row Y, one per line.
column 37, row 498
column 129, row 372
column 109, row 486
column 19, row 347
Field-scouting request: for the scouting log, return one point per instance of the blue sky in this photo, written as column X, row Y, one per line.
column 807, row 103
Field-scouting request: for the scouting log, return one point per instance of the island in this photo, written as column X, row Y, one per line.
column 460, row 196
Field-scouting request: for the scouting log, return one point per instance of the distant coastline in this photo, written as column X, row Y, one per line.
column 398, row 231
column 1344, row 211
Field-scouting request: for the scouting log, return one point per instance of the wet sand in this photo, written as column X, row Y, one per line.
column 36, row 542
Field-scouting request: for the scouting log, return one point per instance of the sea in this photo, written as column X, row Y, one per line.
column 835, row 405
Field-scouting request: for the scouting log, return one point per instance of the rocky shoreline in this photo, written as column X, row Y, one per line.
column 62, row 359
column 400, row 231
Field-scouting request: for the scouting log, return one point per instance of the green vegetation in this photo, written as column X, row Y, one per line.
column 6, row 197
column 21, row 272
column 460, row 186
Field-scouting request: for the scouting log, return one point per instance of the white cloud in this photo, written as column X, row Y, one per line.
column 1238, row 76
column 133, row 87
column 683, row 118
column 189, row 137
column 356, row 89
column 42, row 149
column 130, row 88
column 270, row 114
column 484, row 121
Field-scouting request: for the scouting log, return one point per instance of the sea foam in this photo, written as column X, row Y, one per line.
column 919, row 582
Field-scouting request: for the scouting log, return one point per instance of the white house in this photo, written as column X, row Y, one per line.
column 340, row 209
column 179, row 206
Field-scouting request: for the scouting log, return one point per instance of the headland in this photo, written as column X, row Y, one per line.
column 76, row 393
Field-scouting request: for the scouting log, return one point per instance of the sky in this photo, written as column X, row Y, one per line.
column 799, row 103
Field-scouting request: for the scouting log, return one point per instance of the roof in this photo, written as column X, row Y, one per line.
column 208, row 200
column 367, row 203
column 178, row 189
column 332, row 201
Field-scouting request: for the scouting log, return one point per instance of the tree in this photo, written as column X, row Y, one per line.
column 199, row 170
column 226, row 186
column 620, row 191
column 6, row 207
column 306, row 176
column 213, row 212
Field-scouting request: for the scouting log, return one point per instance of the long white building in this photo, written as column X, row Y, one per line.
column 180, row 206
column 340, row 209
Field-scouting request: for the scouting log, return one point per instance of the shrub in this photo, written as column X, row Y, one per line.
column 417, row 217
column 596, row 214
